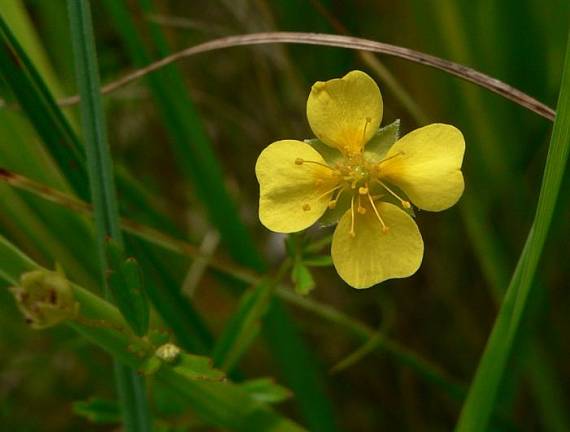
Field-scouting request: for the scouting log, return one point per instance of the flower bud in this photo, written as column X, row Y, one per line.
column 168, row 352
column 45, row 298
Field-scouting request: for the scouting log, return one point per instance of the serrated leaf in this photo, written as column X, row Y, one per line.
column 302, row 278
column 381, row 142
column 125, row 281
column 266, row 390
column 97, row 410
column 198, row 368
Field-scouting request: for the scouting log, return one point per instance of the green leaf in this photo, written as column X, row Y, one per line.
column 125, row 280
column 482, row 395
column 266, row 390
column 198, row 368
column 302, row 278
column 98, row 410
column 37, row 102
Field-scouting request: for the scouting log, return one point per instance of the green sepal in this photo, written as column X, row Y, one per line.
column 381, row 142
column 125, row 280
column 150, row 366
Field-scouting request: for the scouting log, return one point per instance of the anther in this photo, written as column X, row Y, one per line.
column 301, row 161
column 332, row 204
column 362, row 210
column 405, row 204
column 363, row 190
column 306, row 207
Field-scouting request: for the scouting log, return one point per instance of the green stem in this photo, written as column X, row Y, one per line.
column 130, row 386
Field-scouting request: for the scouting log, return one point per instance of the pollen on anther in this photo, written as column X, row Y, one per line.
column 306, row 207
column 406, row 204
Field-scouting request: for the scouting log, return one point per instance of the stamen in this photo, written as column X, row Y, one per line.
column 352, row 218
column 306, row 207
column 363, row 190
column 301, row 161
column 332, row 203
column 405, row 204
column 384, row 227
column 360, row 209
column 328, row 192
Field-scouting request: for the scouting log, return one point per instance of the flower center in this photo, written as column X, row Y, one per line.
column 362, row 179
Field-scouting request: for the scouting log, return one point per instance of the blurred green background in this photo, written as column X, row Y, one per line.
column 240, row 100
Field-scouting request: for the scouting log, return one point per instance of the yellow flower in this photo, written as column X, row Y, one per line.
column 351, row 172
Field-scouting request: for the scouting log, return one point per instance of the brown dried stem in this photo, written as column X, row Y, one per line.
column 340, row 41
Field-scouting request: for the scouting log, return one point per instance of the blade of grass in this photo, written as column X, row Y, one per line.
column 50, row 123
column 199, row 165
column 130, row 385
column 482, row 393
column 36, row 100
column 190, row 142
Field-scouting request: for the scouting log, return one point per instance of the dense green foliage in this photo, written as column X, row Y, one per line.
column 403, row 355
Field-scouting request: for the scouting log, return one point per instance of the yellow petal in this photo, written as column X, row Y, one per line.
column 373, row 256
column 292, row 196
column 345, row 112
column 426, row 165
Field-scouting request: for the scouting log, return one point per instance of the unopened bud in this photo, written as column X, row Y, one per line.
column 45, row 298
column 168, row 352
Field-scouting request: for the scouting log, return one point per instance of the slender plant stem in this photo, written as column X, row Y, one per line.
column 130, row 385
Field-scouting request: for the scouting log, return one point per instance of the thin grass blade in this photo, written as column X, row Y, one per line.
column 482, row 394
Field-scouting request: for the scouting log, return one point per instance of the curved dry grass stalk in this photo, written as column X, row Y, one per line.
column 340, row 41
